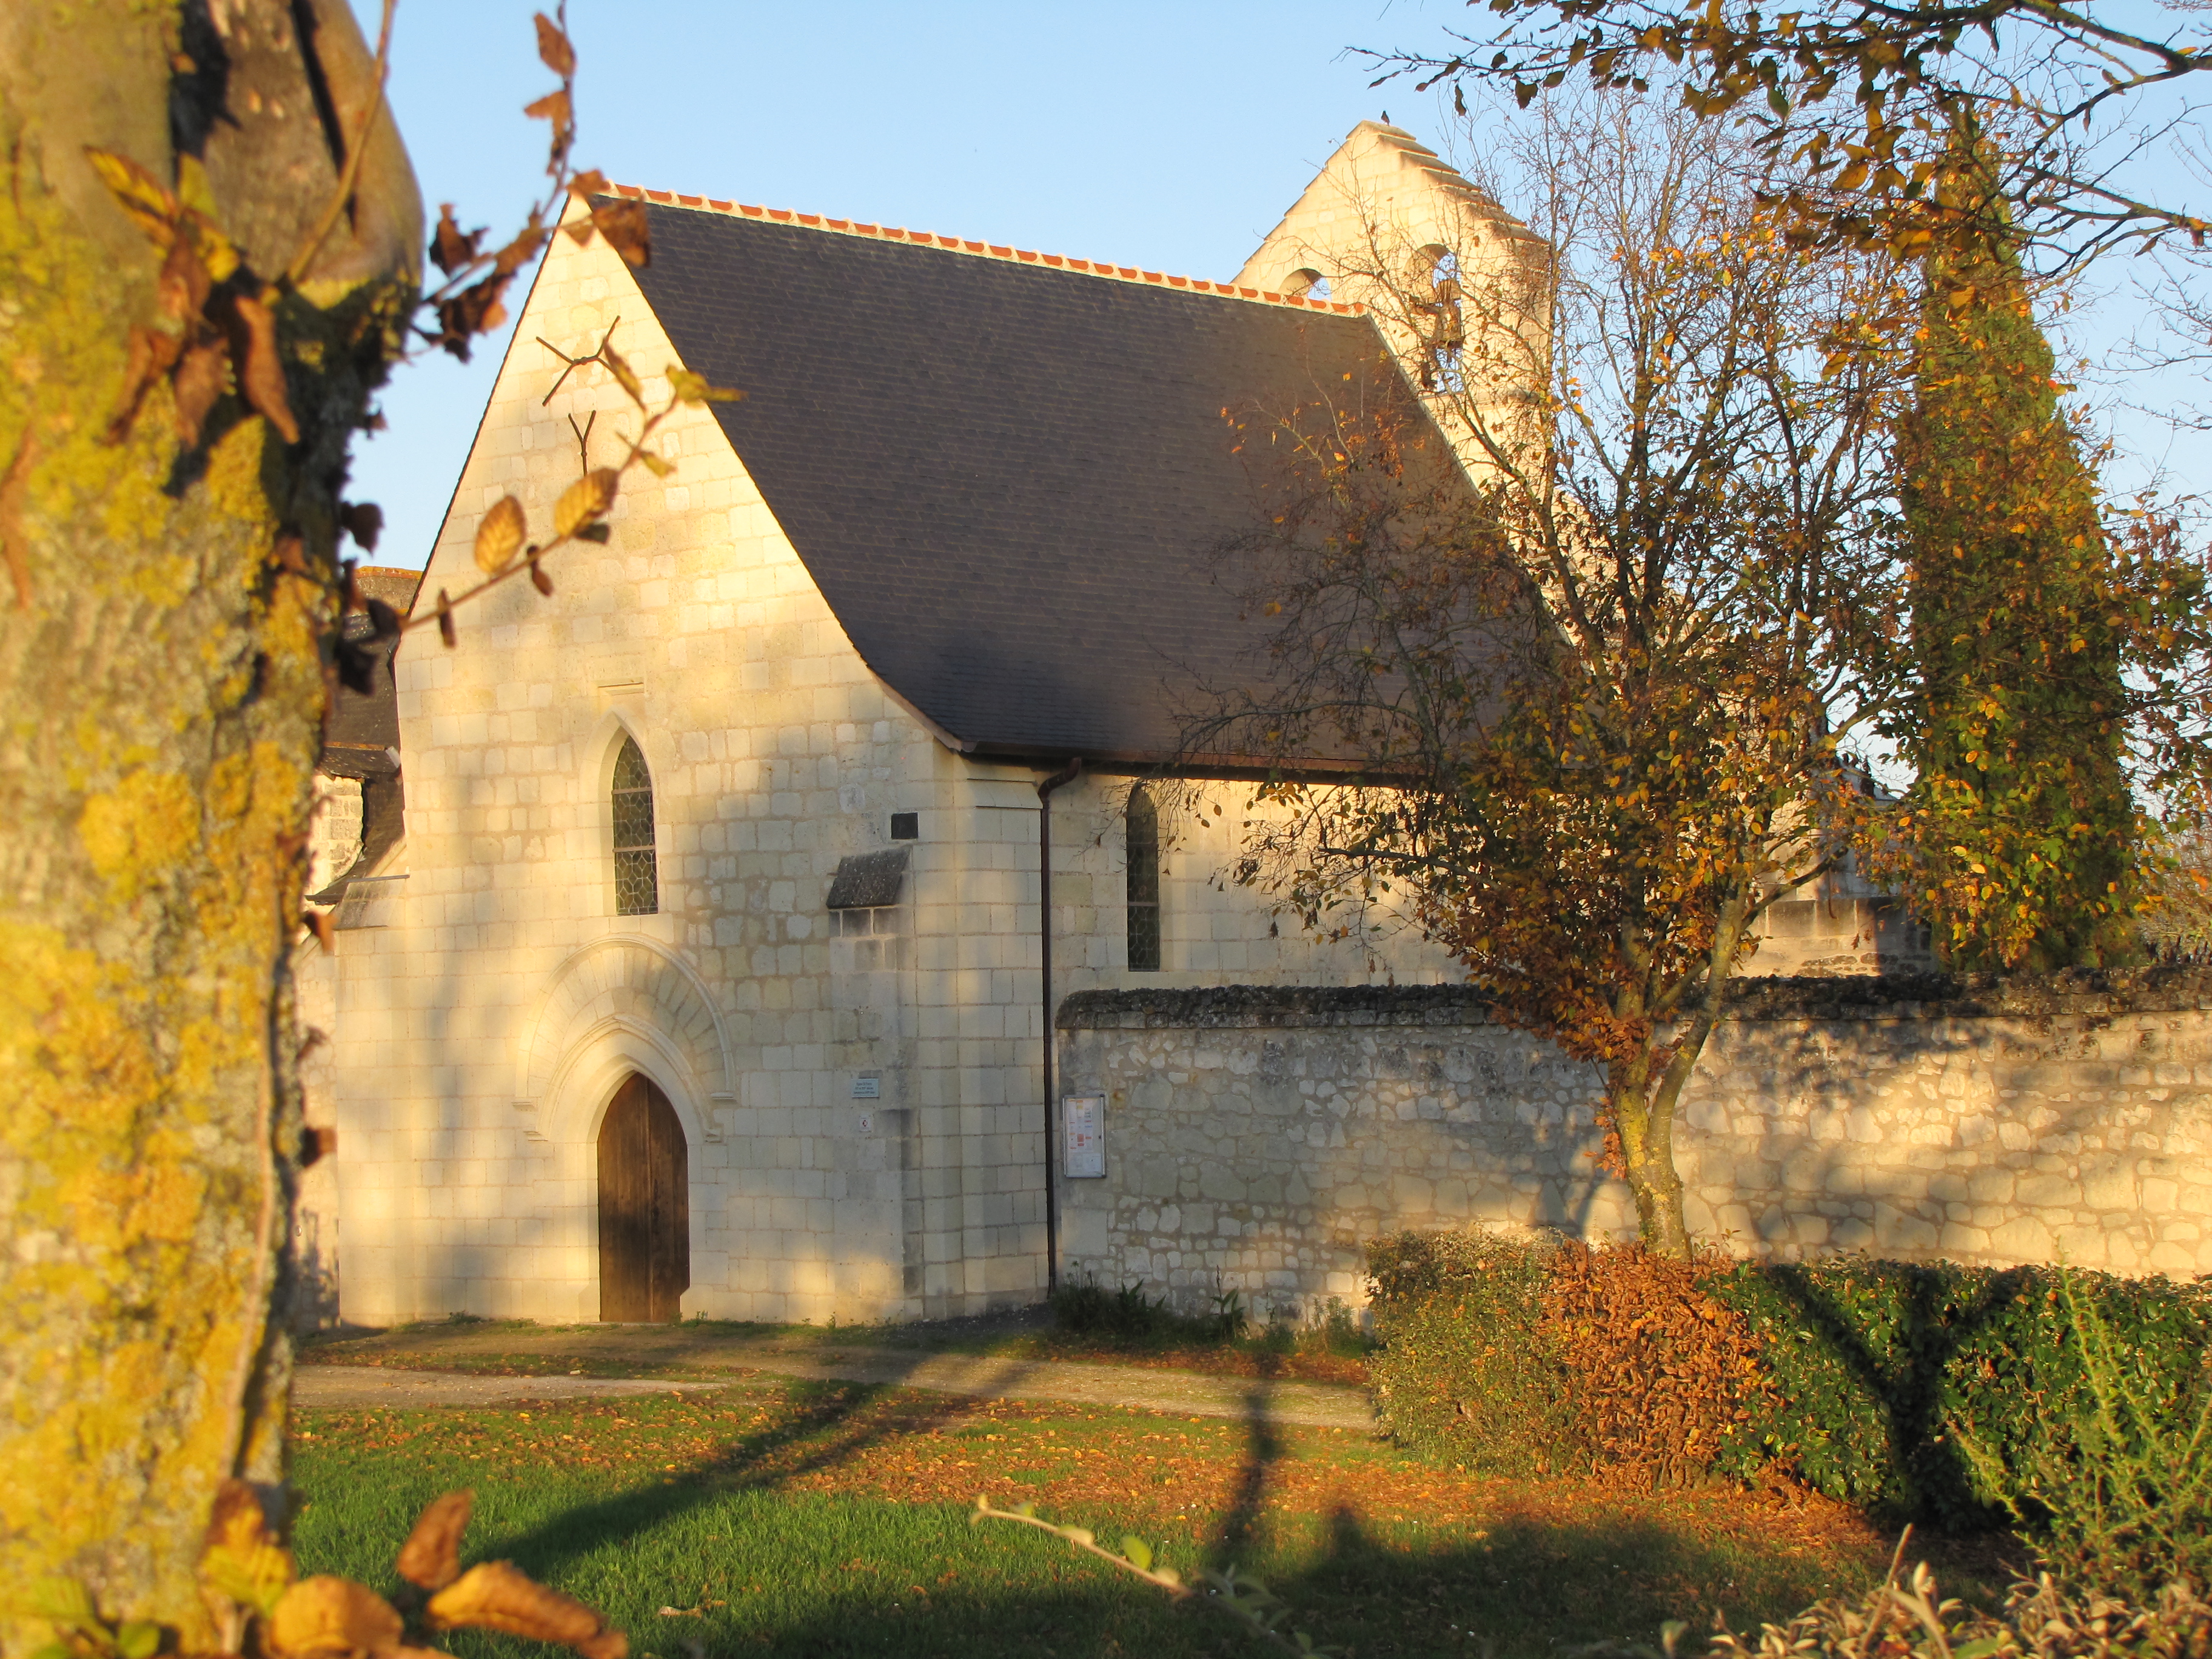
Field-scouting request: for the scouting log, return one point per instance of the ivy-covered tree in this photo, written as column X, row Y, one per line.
column 2022, row 818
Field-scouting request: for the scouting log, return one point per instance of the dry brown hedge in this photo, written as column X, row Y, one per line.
column 1662, row 1375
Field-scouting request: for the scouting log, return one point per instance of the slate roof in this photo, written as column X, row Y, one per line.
column 362, row 728
column 1008, row 480
column 361, row 736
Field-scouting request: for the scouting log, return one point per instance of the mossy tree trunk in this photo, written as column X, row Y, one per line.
column 160, row 645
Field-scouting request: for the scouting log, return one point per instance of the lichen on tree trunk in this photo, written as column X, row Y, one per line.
column 163, row 691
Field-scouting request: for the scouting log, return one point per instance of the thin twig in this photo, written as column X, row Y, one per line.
column 351, row 172
column 523, row 564
column 1166, row 1577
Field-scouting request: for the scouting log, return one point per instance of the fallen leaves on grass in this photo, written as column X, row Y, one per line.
column 1194, row 1478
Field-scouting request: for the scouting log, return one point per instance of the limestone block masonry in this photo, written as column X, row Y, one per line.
column 1256, row 1138
column 865, row 1126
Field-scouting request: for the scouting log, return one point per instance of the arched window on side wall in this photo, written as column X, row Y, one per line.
column 1141, row 837
column 637, row 874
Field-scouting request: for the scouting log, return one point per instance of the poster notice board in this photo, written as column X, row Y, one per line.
column 1083, row 1131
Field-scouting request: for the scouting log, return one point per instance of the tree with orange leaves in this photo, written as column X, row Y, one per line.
column 1584, row 631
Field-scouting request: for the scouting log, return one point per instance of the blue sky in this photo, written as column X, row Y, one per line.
column 1169, row 135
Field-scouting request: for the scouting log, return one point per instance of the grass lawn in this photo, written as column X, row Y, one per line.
column 825, row 1519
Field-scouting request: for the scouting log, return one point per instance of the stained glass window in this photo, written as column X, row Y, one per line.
column 637, row 876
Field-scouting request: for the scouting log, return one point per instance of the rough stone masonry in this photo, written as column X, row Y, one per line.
column 1256, row 1138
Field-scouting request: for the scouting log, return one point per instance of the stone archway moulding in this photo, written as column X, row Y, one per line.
column 585, row 1084
column 628, row 983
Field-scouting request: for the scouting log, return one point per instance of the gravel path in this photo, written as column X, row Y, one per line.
column 1184, row 1392
column 348, row 1388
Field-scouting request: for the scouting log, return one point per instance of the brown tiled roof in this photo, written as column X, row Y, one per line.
column 1007, row 472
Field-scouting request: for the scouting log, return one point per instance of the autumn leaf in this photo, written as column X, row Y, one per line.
column 500, row 537
column 553, row 48
column 242, row 1558
column 625, row 376
column 431, row 1557
column 694, row 389
column 554, row 107
column 364, row 522
column 137, row 193
column 182, row 288
column 498, row 1596
column 327, row 1614
column 201, row 376
column 475, row 310
column 623, row 224
column 586, row 501
column 451, row 251
column 154, row 353
column 252, row 330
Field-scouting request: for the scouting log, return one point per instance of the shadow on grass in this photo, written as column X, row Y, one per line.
column 1527, row 1588
column 723, row 1558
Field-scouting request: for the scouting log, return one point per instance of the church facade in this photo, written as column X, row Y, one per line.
column 740, row 875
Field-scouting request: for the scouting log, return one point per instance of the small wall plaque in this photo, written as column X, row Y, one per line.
column 867, row 1088
column 1083, row 1131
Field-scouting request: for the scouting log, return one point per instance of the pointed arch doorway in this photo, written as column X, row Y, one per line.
column 645, row 1207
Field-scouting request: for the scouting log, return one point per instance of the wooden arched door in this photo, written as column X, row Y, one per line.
column 645, row 1208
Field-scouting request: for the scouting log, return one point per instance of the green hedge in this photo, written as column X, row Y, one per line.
column 1867, row 1365
column 1874, row 1364
column 1464, row 1368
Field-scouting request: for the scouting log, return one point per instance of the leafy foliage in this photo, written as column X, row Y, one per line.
column 1957, row 1395
column 1883, row 1371
column 2120, row 1476
column 1541, row 1355
column 1862, row 92
column 2015, row 838
column 1466, row 1369
column 1085, row 1305
column 1588, row 712
column 1912, row 1621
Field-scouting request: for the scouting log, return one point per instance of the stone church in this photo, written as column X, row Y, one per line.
column 713, row 972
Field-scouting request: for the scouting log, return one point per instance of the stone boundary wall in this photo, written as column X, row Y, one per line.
column 1256, row 1136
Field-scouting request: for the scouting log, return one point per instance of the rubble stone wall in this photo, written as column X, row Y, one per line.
column 1256, row 1138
